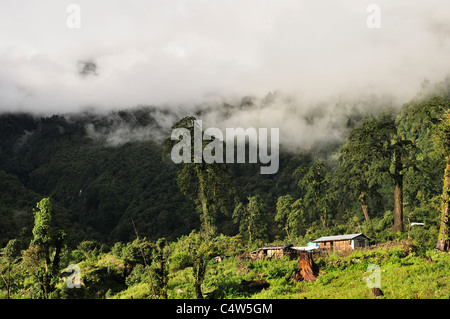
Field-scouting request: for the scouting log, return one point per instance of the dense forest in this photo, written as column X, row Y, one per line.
column 126, row 215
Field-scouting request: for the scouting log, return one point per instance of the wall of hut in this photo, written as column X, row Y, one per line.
column 343, row 245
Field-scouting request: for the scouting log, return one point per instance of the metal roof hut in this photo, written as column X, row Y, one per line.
column 272, row 252
column 343, row 242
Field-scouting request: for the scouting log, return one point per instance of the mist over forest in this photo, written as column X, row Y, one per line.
column 91, row 91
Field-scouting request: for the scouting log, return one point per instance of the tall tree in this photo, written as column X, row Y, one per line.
column 428, row 124
column 316, row 184
column 43, row 255
column 12, row 253
column 384, row 152
column 352, row 175
column 207, row 184
column 443, row 138
column 161, row 266
column 144, row 258
column 400, row 150
column 196, row 255
column 289, row 214
column 251, row 219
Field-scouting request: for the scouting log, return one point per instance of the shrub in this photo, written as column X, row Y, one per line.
column 137, row 275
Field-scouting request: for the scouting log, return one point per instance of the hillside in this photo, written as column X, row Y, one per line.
column 404, row 274
column 100, row 185
column 95, row 191
column 224, row 150
column 103, row 170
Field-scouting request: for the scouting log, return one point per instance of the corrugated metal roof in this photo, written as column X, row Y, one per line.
column 307, row 248
column 271, row 248
column 339, row 237
column 277, row 247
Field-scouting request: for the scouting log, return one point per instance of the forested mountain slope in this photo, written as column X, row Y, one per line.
column 98, row 183
column 98, row 187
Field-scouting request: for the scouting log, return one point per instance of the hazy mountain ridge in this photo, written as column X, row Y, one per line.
column 102, row 169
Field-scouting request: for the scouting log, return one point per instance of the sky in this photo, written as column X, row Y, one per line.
column 112, row 55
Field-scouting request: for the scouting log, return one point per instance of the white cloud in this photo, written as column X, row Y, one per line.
column 184, row 52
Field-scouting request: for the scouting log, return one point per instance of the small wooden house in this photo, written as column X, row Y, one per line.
column 273, row 252
column 343, row 242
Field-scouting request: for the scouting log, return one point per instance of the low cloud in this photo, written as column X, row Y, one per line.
column 184, row 55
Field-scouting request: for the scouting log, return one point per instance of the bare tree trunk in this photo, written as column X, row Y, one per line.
column 323, row 217
column 398, row 205
column 9, row 280
column 207, row 218
column 364, row 207
column 443, row 240
column 198, row 290
column 398, row 193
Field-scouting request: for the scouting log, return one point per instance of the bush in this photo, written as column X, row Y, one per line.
column 226, row 286
column 137, row 275
column 180, row 260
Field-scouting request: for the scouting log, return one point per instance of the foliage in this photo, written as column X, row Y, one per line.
column 316, row 183
column 208, row 185
column 390, row 170
column 42, row 258
column 251, row 219
column 290, row 215
column 160, row 267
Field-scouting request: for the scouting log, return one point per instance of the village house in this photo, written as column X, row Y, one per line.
column 343, row 242
column 273, row 252
column 340, row 242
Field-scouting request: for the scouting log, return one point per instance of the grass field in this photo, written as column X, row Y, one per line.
column 403, row 274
